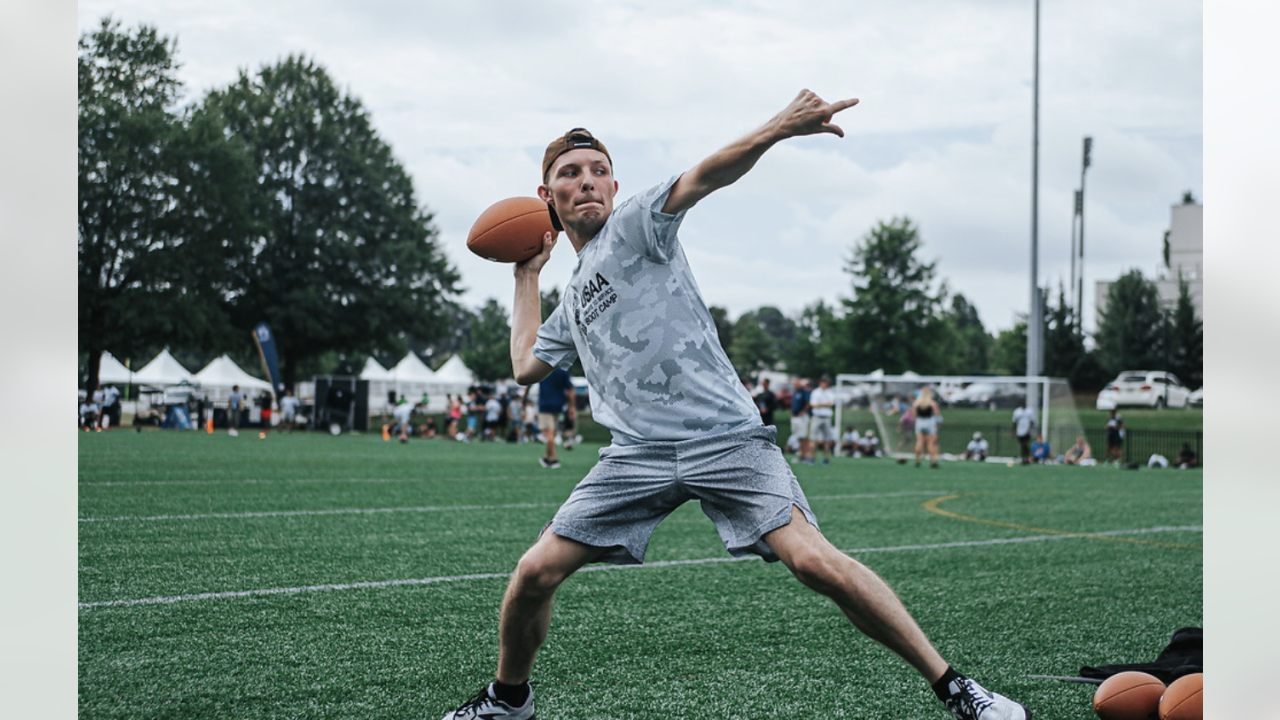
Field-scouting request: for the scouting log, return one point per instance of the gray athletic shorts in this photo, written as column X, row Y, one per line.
column 744, row 484
column 820, row 429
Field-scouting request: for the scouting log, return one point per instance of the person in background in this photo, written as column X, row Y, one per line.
column 870, row 445
column 1080, row 453
column 1024, row 421
column 850, row 442
column 800, row 422
column 289, row 410
column 555, row 398
column 1040, row 450
column 1187, row 457
column 928, row 415
column 235, row 403
column 822, row 409
column 1115, row 438
column 907, row 428
column 767, row 402
column 977, row 448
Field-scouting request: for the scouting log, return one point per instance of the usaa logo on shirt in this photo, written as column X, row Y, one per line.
column 596, row 296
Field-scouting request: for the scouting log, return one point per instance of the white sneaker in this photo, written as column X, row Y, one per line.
column 487, row 707
column 971, row 701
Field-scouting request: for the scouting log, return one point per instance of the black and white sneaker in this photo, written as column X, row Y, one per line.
column 485, row 706
column 552, row 464
column 971, row 701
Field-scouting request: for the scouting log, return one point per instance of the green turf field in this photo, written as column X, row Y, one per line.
column 308, row 576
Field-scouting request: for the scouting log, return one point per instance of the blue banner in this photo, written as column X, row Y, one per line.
column 266, row 343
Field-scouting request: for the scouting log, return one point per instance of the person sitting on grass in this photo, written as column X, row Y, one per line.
column 977, row 448
column 1040, row 450
column 1080, row 453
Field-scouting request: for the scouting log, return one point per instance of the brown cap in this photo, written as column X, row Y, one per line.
column 572, row 140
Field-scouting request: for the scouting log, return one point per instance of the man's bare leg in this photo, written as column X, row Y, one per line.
column 526, row 607
column 864, row 598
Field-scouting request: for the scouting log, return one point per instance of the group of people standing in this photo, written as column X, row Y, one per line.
column 100, row 410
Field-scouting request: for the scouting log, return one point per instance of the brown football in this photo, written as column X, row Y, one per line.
column 511, row 230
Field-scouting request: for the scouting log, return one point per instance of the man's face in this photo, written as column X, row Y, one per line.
column 581, row 187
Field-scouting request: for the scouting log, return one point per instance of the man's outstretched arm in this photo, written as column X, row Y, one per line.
column 807, row 114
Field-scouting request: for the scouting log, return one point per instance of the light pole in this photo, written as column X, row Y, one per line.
column 1035, row 319
column 1088, row 146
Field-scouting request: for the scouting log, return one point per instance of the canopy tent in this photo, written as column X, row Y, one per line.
column 455, row 372
column 374, row 372
column 163, row 370
column 221, row 374
column 411, row 369
column 111, row 370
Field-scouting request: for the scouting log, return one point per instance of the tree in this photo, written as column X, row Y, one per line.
column 818, row 346
column 753, row 349
column 346, row 259
column 1009, row 355
column 489, row 354
column 162, row 213
column 724, row 326
column 971, row 351
column 1131, row 331
column 1186, row 345
column 894, row 312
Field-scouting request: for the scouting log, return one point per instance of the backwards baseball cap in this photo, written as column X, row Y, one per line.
column 575, row 139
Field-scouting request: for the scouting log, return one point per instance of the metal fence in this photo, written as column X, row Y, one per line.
column 1139, row 445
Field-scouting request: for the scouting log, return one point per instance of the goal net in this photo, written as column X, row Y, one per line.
column 969, row 404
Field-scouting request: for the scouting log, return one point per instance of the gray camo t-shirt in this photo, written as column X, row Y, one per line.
column 633, row 312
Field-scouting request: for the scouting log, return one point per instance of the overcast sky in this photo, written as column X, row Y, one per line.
column 467, row 94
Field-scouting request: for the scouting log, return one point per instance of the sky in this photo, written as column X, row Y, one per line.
column 468, row 95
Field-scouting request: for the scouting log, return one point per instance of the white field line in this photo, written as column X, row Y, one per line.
column 430, row 508
column 251, row 481
column 593, row 568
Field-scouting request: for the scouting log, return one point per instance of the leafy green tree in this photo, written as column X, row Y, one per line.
column 1063, row 343
column 1186, row 345
column 894, row 315
column 753, row 349
column 780, row 328
column 724, row 326
column 1009, row 354
column 1131, row 331
column 971, row 344
column 162, row 210
column 346, row 259
column 489, row 354
column 819, row 343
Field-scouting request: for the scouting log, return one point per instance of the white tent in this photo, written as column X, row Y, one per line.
column 219, row 376
column 411, row 369
column 162, row 370
column 455, row 372
column 111, row 370
column 374, row 372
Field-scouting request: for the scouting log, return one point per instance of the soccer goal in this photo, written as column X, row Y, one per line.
column 974, row 401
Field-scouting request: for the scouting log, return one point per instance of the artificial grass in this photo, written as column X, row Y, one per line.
column 723, row 639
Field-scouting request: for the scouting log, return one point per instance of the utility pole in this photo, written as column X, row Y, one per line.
column 1088, row 146
column 1035, row 319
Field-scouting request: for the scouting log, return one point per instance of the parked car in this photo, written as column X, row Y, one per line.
column 990, row 395
column 1148, row 388
column 1106, row 399
column 1196, row 398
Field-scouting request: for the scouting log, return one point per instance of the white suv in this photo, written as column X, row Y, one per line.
column 1147, row 388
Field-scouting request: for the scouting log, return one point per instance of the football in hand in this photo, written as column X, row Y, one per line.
column 511, row 230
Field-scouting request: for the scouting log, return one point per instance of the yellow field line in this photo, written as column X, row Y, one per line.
column 932, row 506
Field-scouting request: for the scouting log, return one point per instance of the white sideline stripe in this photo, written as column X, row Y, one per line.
column 595, row 568
column 130, row 483
column 354, row 511
column 433, row 508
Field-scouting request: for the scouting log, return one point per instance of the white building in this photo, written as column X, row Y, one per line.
column 1186, row 255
